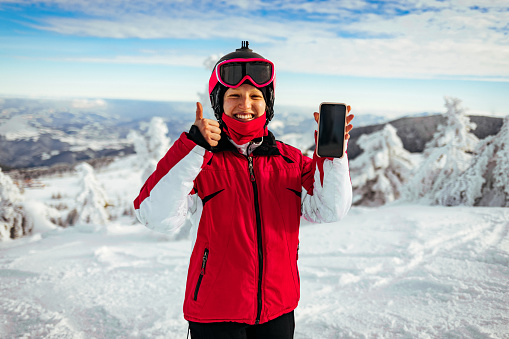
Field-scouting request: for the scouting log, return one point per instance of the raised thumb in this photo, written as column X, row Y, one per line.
column 199, row 111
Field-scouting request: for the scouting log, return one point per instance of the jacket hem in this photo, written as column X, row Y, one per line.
column 250, row 321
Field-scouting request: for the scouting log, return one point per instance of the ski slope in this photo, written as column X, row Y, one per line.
column 398, row 271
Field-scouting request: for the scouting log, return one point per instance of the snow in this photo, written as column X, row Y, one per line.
column 382, row 169
column 151, row 146
column 397, row 271
column 446, row 156
column 17, row 127
column 92, row 200
column 485, row 182
column 299, row 140
column 455, row 168
column 14, row 221
column 401, row 270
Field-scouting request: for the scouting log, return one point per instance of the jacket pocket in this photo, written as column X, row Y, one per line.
column 202, row 273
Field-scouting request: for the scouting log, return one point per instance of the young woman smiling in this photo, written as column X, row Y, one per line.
column 244, row 193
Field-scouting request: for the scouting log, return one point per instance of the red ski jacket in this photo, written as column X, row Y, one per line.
column 245, row 212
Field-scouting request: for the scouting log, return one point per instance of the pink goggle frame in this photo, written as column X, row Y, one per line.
column 216, row 75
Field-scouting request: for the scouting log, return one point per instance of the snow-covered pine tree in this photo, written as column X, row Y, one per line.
column 158, row 142
column 14, row 221
column 151, row 146
column 91, row 201
column 382, row 169
column 446, row 156
column 486, row 181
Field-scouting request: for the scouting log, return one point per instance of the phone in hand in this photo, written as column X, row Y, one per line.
column 331, row 130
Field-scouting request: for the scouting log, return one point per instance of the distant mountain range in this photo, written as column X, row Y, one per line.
column 35, row 133
column 416, row 131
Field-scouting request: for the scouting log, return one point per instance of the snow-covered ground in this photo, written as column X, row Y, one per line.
column 398, row 271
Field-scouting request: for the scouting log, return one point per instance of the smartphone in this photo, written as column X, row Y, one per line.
column 331, row 130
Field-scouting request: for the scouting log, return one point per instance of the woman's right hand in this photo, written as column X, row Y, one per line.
column 208, row 128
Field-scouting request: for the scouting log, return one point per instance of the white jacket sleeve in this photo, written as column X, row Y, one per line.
column 329, row 199
column 163, row 201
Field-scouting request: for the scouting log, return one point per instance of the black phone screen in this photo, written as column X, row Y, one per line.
column 331, row 130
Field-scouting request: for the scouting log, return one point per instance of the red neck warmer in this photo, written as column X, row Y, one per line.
column 241, row 132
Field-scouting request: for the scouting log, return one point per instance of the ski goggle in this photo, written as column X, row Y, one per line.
column 232, row 73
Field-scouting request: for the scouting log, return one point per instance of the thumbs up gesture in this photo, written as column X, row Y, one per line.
column 208, row 128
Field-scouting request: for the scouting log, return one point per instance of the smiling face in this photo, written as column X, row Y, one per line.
column 244, row 103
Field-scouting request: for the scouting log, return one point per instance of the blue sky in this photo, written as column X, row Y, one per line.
column 382, row 57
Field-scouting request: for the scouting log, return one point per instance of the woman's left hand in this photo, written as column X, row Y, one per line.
column 349, row 118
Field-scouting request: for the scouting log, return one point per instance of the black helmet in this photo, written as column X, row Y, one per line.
column 236, row 68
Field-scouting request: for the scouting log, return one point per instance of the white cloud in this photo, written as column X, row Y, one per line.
column 181, row 58
column 432, row 39
column 87, row 103
column 395, row 58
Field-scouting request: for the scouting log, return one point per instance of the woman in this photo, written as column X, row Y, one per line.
column 245, row 193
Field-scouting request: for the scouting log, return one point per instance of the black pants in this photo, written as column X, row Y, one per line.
column 279, row 328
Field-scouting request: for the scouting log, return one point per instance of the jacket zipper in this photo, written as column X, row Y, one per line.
column 202, row 273
column 259, row 238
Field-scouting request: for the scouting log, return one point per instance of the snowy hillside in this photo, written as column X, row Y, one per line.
column 399, row 271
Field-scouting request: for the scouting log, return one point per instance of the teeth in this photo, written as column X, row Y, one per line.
column 244, row 116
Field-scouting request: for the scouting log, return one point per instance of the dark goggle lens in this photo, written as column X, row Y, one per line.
column 233, row 73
